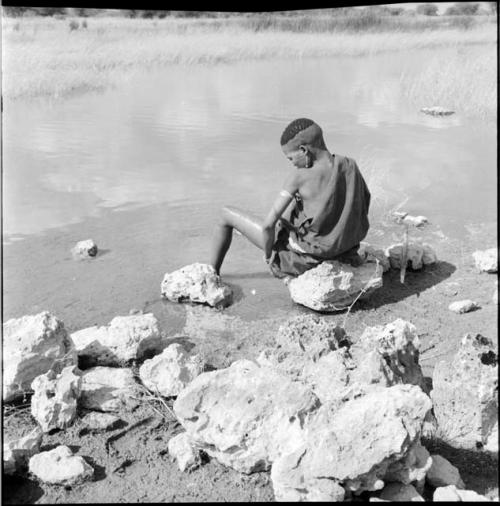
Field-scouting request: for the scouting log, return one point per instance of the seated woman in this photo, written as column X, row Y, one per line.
column 320, row 214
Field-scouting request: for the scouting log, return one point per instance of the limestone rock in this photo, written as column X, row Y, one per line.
column 126, row 338
column 32, row 345
column 107, row 389
column 442, row 473
column 487, row 260
column 196, row 283
column 54, row 401
column 416, row 221
column 333, row 286
column 353, row 446
column 60, row 467
column 463, row 306
column 181, row 448
column 245, row 416
column 419, row 254
column 171, row 371
column 370, row 254
column 16, row 454
column 84, row 249
column 95, row 421
column 465, row 394
column 437, row 110
column 413, row 468
column 452, row 493
column 399, row 492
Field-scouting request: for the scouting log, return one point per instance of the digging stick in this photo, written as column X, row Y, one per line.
column 404, row 255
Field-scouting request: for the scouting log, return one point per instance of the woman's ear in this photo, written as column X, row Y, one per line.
column 303, row 148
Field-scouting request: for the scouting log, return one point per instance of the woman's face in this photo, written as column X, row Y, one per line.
column 298, row 156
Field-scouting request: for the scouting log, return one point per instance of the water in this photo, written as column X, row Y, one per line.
column 181, row 142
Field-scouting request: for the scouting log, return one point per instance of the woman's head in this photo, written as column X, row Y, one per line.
column 301, row 138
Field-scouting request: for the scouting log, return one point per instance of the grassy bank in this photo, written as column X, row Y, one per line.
column 49, row 57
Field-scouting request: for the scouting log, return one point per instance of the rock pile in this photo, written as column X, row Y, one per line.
column 196, row 283
column 32, row 345
column 465, row 395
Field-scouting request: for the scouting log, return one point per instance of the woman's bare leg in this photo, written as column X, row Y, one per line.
column 244, row 222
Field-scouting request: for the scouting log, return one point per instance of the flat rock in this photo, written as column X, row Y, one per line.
column 437, row 110
column 400, row 492
column 465, row 394
column 32, row 345
column 333, row 286
column 54, row 401
column 245, row 416
column 486, row 260
column 418, row 255
column 17, row 453
column 84, row 249
column 371, row 254
column 60, row 467
column 196, row 283
column 353, row 446
column 108, row 389
column 171, row 371
column 442, row 473
column 452, row 493
column 126, row 338
column 182, row 449
column 95, row 421
column 463, row 306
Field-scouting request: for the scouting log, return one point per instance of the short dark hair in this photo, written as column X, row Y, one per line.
column 296, row 126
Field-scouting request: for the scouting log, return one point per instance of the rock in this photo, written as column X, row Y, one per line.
column 452, row 493
column 370, row 254
column 487, row 260
column 54, row 401
column 196, row 283
column 126, row 338
column 353, row 446
column 171, row 371
column 84, row 249
column 60, row 467
column 95, row 421
column 437, row 111
column 442, row 473
column 413, row 468
column 416, row 221
column 333, row 286
column 181, row 448
column 16, row 454
column 108, row 389
column 463, row 306
column 245, row 416
column 492, row 441
column 400, row 492
column 419, row 254
column 32, row 345
column 465, row 394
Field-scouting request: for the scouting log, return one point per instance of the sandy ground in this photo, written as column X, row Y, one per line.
column 132, row 463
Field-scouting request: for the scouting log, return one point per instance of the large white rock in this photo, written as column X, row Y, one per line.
column 487, row 260
column 32, row 345
column 171, row 371
column 465, row 394
column 108, row 389
column 418, row 255
column 333, row 286
column 443, row 473
column 463, row 306
column 55, row 397
column 60, row 467
column 400, row 493
column 196, row 283
column 370, row 254
column 453, row 494
column 126, row 338
column 84, row 249
column 181, row 448
column 353, row 446
column 17, row 453
column 245, row 416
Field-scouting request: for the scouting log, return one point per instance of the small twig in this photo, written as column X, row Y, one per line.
column 404, row 255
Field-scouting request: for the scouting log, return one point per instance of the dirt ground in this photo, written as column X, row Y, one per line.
column 132, row 462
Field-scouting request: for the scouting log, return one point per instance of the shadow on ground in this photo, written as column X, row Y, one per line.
column 20, row 490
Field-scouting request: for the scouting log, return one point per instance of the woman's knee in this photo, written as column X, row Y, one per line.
column 227, row 214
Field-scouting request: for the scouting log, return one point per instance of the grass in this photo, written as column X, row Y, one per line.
column 53, row 57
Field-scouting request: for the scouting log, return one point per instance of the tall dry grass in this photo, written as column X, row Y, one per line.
column 46, row 57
